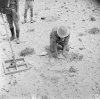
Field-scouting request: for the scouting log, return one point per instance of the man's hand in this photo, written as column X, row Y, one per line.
column 65, row 50
column 55, row 55
column 64, row 53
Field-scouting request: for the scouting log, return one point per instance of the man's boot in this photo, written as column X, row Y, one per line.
column 12, row 33
column 31, row 20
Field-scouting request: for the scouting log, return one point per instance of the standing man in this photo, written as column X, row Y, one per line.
column 28, row 5
column 13, row 17
column 59, row 39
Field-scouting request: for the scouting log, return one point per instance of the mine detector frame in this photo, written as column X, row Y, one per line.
column 13, row 65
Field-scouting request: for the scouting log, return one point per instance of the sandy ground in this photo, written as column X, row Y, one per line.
column 51, row 78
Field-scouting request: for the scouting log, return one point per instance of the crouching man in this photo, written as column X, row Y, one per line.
column 59, row 38
column 14, row 18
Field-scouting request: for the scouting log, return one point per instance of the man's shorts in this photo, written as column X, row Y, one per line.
column 13, row 17
column 29, row 4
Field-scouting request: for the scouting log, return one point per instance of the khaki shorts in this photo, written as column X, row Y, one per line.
column 14, row 17
column 29, row 4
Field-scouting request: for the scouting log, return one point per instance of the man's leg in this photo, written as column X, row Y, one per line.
column 53, row 48
column 13, row 34
column 16, row 23
column 65, row 43
column 10, row 21
column 26, row 9
column 25, row 15
column 31, row 10
column 65, row 48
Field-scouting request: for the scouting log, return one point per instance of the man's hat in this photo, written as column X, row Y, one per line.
column 62, row 31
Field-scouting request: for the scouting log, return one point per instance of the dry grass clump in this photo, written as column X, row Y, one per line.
column 27, row 51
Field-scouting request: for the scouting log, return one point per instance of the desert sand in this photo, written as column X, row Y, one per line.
column 73, row 77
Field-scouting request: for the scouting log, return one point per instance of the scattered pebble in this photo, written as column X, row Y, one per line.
column 81, row 48
column 44, row 97
column 72, row 70
column 75, row 56
column 94, row 30
column 4, row 49
column 92, row 19
column 80, row 40
column 31, row 30
column 43, row 18
column 81, row 34
column 83, row 20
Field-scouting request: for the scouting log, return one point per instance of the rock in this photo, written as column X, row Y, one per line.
column 81, row 48
column 56, row 1
column 47, row 8
column 81, row 34
column 43, row 53
column 74, row 57
column 44, row 97
column 94, row 30
column 92, row 19
column 43, row 18
column 72, row 70
column 83, row 20
column 80, row 40
column 31, row 30
column 4, row 49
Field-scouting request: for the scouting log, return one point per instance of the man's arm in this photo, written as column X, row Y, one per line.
column 66, row 46
column 53, row 44
column 66, row 41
